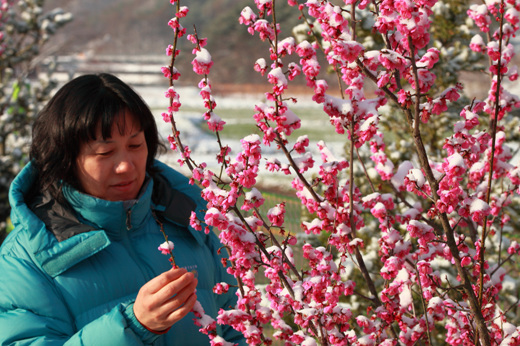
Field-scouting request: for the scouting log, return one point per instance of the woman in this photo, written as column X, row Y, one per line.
column 82, row 265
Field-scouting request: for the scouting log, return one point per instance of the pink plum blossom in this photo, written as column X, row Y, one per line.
column 166, row 248
column 202, row 62
column 405, row 215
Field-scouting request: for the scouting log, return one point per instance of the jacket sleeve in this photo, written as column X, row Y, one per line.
column 33, row 312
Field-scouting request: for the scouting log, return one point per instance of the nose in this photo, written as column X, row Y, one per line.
column 124, row 164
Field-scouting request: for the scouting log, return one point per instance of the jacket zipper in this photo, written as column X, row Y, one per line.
column 130, row 248
column 129, row 219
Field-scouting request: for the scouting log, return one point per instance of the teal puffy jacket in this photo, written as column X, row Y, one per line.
column 70, row 272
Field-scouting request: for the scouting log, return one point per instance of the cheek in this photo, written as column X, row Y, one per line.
column 143, row 158
column 91, row 169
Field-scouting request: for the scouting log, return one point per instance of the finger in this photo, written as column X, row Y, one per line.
column 155, row 300
column 181, row 298
column 153, row 311
column 182, row 311
column 186, row 282
column 156, row 284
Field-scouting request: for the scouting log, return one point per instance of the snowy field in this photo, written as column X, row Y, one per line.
column 151, row 86
column 204, row 146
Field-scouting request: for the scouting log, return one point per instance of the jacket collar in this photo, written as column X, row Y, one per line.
column 115, row 218
column 169, row 194
column 52, row 256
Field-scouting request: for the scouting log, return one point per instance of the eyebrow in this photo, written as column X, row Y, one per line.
column 106, row 141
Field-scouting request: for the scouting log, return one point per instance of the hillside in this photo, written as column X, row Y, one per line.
column 134, row 27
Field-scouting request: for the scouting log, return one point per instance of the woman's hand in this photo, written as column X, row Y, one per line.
column 165, row 299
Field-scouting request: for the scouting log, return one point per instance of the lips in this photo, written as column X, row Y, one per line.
column 123, row 185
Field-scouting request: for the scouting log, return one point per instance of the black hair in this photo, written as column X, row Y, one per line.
column 71, row 118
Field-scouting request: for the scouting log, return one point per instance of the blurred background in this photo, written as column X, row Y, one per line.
column 137, row 31
column 45, row 43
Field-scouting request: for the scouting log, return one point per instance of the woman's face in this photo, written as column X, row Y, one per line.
column 114, row 169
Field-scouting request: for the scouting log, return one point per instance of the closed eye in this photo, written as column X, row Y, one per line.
column 104, row 153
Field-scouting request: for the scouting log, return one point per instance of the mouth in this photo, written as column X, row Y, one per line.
column 123, row 185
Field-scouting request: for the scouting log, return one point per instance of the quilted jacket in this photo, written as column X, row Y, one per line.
column 70, row 272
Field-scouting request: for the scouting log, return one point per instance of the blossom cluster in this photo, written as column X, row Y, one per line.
column 422, row 240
